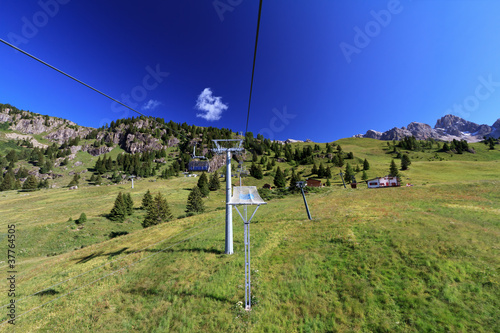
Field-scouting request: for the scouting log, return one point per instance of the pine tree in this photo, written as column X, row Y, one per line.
column 129, row 203
column 279, row 179
column 321, row 171
column 328, row 182
column 348, row 173
column 12, row 156
column 254, row 157
column 214, row 183
column 256, row 171
column 405, row 162
column 293, row 181
column 393, row 170
column 335, row 160
column 195, row 201
column 119, row 210
column 158, row 212
column 203, row 185
column 314, row 169
column 8, row 182
column 147, row 199
column 328, row 173
column 341, row 160
column 82, row 218
column 365, row 176
column 43, row 184
column 74, row 181
column 366, row 165
column 31, row 183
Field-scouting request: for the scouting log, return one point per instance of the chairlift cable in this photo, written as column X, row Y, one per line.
column 253, row 67
column 87, row 85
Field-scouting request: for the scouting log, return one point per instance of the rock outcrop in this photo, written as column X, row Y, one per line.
column 447, row 128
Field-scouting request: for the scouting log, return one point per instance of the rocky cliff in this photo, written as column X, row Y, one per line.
column 447, row 128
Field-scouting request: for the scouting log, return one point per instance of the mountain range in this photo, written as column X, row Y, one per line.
column 447, row 128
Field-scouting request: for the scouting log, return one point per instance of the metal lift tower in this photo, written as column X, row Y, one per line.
column 224, row 146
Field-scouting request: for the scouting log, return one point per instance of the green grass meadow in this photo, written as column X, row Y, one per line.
column 424, row 258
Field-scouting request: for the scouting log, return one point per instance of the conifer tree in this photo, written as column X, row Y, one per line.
column 147, row 199
column 256, row 171
column 43, row 184
column 158, row 212
column 328, row 182
column 335, row 160
column 82, row 218
column 74, row 181
column 279, row 179
column 366, row 165
column 8, row 182
column 129, row 203
column 214, row 183
column 364, row 176
column 203, row 185
column 405, row 162
column 119, row 210
column 393, row 170
column 293, row 181
column 348, row 173
column 341, row 160
column 31, row 183
column 328, row 173
column 321, row 171
column 314, row 169
column 195, row 201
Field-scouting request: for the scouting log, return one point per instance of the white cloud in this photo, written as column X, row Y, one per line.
column 151, row 105
column 212, row 106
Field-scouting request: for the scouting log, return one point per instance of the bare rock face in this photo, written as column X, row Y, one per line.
column 141, row 142
column 173, row 141
column 447, row 128
column 4, row 117
column 396, row 134
column 455, row 125
column 421, row 131
column 372, row 134
column 97, row 151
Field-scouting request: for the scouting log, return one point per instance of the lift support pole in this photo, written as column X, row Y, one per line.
column 301, row 185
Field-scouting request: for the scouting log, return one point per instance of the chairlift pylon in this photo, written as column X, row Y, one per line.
column 194, row 154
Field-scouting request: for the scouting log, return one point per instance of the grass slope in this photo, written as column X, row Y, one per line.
column 424, row 258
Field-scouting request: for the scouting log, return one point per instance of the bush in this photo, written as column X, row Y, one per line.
column 82, row 218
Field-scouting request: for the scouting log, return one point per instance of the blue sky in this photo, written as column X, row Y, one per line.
column 325, row 69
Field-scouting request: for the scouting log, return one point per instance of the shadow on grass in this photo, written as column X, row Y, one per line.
column 47, row 292
column 89, row 257
column 113, row 254
column 124, row 251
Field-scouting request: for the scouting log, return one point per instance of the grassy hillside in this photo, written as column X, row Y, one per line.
column 416, row 259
